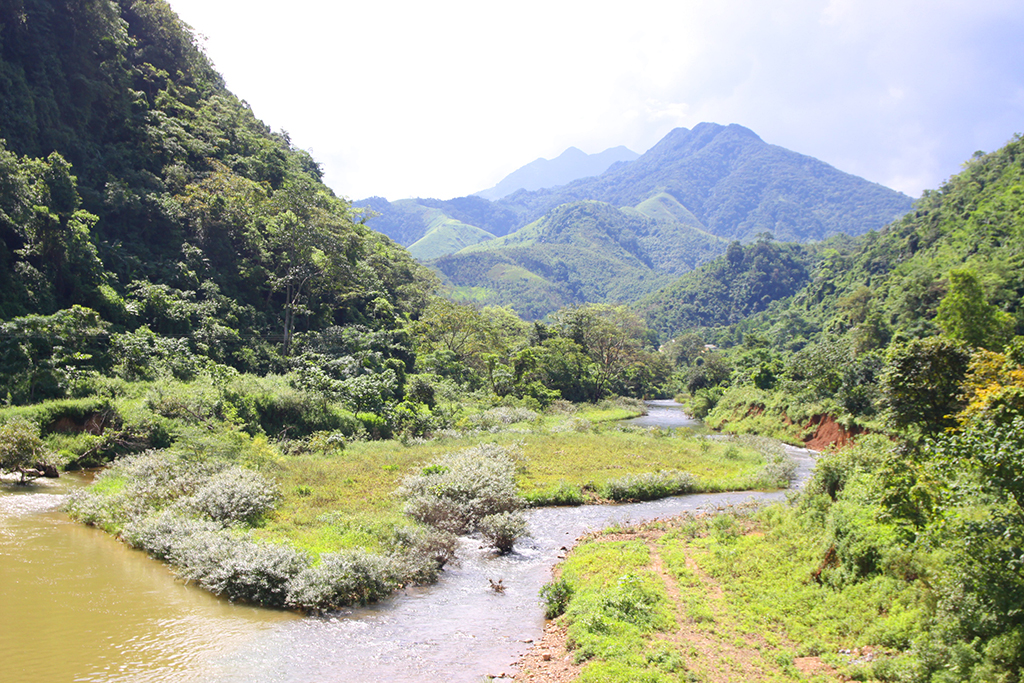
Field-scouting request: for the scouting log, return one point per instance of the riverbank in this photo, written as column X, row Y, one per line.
column 455, row 630
column 665, row 576
column 668, row 601
column 274, row 520
column 824, row 588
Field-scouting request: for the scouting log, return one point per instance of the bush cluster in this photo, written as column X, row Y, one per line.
column 233, row 495
column 650, row 485
column 503, row 529
column 573, row 424
column 20, row 446
column 556, row 596
column 347, row 577
column 502, row 416
column 456, row 492
column 203, row 535
column 562, row 493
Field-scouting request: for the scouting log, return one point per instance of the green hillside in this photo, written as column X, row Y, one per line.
column 831, row 317
column 445, row 236
column 729, row 289
column 581, row 252
column 134, row 184
column 896, row 277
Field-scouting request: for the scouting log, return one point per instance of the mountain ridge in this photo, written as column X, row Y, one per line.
column 570, row 165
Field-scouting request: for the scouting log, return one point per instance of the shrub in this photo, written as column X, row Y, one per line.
column 427, row 550
column 459, row 489
column 502, row 416
column 650, row 485
column 573, row 424
column 376, row 426
column 238, row 568
column 20, row 446
column 414, row 419
column 138, row 485
column 347, row 577
column 233, row 495
column 556, row 596
column 778, row 471
column 503, row 529
column 562, row 494
column 222, row 561
column 161, row 533
column 562, row 407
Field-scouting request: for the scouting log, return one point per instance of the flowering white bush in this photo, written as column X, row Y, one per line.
column 458, row 491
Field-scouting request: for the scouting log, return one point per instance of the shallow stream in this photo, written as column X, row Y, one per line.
column 77, row 605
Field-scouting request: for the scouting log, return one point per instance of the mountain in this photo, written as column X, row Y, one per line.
column 736, row 185
column 883, row 286
column 679, row 205
column 566, row 167
column 132, row 182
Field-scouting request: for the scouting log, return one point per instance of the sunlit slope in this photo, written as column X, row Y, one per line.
column 446, row 235
column 586, row 251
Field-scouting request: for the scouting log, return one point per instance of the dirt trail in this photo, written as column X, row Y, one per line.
column 712, row 647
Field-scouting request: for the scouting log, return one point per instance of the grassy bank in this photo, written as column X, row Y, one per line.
column 895, row 563
column 343, row 498
column 318, row 521
column 724, row 598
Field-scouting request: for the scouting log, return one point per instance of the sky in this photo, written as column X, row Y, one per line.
column 444, row 98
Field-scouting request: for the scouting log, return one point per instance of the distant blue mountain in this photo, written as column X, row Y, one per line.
column 570, row 165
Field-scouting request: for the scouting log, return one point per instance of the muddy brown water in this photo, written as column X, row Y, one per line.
column 77, row 605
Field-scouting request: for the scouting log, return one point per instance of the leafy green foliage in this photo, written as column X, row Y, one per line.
column 965, row 315
column 729, row 289
column 48, row 356
column 556, row 596
column 650, row 486
column 921, row 383
column 167, row 207
column 503, row 529
column 21, row 447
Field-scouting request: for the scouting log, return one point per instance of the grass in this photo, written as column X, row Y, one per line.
column 333, row 500
column 337, row 495
column 734, row 600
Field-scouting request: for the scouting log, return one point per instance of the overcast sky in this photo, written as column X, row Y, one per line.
column 442, row 99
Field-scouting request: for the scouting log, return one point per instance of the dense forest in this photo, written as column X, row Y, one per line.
column 182, row 295
column 134, row 184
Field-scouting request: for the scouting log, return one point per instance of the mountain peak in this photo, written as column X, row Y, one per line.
column 570, row 165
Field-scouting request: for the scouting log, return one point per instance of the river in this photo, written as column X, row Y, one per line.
column 77, row 605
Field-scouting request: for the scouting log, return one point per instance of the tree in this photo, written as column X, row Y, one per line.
column 966, row 315
column 20, row 447
column 43, row 356
column 921, row 383
column 612, row 336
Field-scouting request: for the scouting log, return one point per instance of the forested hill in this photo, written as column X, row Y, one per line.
column 678, row 206
column 884, row 285
column 133, row 183
column 737, row 186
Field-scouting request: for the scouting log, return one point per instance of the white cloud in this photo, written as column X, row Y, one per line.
column 445, row 98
